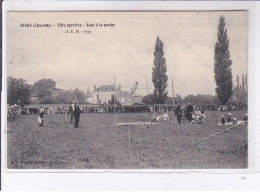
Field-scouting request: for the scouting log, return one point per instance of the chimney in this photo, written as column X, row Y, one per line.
column 95, row 88
column 119, row 87
column 88, row 92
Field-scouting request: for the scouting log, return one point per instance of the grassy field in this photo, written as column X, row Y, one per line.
column 97, row 144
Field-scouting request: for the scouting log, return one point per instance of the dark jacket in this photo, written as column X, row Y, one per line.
column 70, row 108
column 189, row 109
column 178, row 110
column 76, row 110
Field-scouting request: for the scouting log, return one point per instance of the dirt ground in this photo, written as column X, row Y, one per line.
column 97, row 144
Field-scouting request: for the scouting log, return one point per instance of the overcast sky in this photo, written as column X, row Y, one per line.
column 126, row 50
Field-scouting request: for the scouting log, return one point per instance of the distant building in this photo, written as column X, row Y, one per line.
column 126, row 99
column 105, row 93
column 34, row 98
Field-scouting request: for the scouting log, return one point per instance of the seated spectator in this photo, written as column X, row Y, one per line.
column 229, row 118
column 165, row 117
column 234, row 120
column 245, row 119
column 222, row 120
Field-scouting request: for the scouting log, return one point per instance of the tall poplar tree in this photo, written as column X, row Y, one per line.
column 159, row 76
column 223, row 70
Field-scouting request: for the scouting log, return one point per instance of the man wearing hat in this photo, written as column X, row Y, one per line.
column 189, row 112
column 71, row 110
column 76, row 113
column 245, row 119
column 178, row 113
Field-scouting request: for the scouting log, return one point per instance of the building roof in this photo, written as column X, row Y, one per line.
column 107, row 88
column 124, row 94
column 127, row 94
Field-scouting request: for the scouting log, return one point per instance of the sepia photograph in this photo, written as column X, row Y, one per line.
column 127, row 89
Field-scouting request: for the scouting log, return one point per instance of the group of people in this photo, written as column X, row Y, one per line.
column 74, row 111
column 184, row 112
column 160, row 117
column 101, row 108
column 231, row 120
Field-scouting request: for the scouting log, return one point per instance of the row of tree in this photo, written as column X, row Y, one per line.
column 241, row 90
column 20, row 92
column 201, row 99
column 222, row 69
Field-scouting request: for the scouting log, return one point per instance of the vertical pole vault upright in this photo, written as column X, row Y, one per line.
column 174, row 121
column 114, row 100
column 147, row 86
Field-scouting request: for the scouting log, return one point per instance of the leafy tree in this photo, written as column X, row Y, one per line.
column 63, row 97
column 223, row 71
column 80, row 95
column 202, row 99
column 148, row 99
column 159, row 76
column 177, row 99
column 111, row 102
column 18, row 91
column 190, row 98
column 44, row 88
column 238, row 83
column 46, row 100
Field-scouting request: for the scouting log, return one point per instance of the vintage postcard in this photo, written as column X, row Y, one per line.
column 127, row 89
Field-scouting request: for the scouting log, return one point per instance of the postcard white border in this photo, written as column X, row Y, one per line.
column 10, row 175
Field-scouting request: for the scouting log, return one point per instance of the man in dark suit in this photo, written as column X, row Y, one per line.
column 71, row 110
column 76, row 114
column 189, row 112
column 178, row 113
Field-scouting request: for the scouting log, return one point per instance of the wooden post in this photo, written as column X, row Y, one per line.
column 66, row 117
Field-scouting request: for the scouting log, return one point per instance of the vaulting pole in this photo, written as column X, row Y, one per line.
column 219, row 133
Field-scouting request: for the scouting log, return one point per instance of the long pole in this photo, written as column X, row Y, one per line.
column 114, row 99
column 174, row 121
column 147, row 86
column 172, row 93
column 219, row 133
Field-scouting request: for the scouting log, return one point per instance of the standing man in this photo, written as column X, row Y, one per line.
column 178, row 113
column 189, row 112
column 71, row 110
column 76, row 114
column 40, row 117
